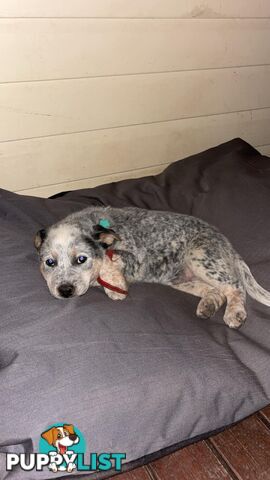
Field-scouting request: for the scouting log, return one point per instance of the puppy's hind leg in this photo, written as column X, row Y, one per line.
column 211, row 298
column 220, row 272
column 210, row 303
column 235, row 313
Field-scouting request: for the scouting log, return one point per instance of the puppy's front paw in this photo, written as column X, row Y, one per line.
column 71, row 467
column 52, row 467
column 115, row 295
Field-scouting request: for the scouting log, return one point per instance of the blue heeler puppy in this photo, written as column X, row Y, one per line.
column 115, row 247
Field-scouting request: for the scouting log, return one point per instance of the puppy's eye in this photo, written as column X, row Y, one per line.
column 81, row 259
column 50, row 262
column 59, row 435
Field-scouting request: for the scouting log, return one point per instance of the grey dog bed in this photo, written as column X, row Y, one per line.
column 146, row 374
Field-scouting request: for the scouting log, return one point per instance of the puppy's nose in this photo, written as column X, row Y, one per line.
column 73, row 437
column 66, row 290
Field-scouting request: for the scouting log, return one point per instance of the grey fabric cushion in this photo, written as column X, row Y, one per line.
column 140, row 375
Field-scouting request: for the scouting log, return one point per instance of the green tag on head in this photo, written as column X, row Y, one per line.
column 104, row 222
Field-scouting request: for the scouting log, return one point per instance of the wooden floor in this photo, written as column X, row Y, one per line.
column 241, row 452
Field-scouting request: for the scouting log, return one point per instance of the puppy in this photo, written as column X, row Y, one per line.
column 61, row 438
column 115, row 247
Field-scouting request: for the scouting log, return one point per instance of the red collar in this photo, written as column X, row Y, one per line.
column 104, row 284
column 110, row 253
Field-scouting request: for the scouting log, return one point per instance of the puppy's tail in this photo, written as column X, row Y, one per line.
column 252, row 287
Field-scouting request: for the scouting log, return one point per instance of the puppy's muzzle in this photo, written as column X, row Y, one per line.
column 66, row 290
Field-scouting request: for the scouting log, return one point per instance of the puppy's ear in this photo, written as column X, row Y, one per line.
column 39, row 238
column 105, row 236
column 49, row 435
column 69, row 428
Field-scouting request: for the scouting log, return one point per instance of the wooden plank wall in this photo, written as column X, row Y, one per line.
column 92, row 92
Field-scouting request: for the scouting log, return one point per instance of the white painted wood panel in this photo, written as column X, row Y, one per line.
column 92, row 155
column 56, row 107
column 73, row 48
column 265, row 150
column 85, row 98
column 135, row 8
column 48, row 190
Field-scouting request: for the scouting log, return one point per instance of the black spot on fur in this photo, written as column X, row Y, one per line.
column 42, row 234
column 94, row 245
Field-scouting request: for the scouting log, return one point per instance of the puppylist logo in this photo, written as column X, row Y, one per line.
column 62, row 448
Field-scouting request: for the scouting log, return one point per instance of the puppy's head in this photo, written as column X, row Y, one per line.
column 61, row 437
column 70, row 258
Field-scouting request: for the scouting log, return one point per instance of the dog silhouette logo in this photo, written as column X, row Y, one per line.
column 62, row 442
